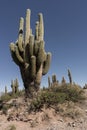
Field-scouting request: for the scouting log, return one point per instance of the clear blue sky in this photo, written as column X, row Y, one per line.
column 65, row 24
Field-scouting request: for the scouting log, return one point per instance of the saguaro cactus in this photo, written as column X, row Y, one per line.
column 70, row 77
column 29, row 54
column 63, row 80
column 49, row 82
column 16, row 85
column 5, row 89
column 12, row 86
column 54, row 80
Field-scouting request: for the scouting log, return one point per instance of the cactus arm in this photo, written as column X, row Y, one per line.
column 36, row 47
column 20, row 38
column 36, row 30
column 41, row 27
column 33, row 67
column 46, row 64
column 12, row 50
column 29, row 49
column 30, row 45
column 18, row 56
column 27, row 35
column 27, row 27
column 39, row 75
column 20, row 42
column 41, row 53
column 21, row 24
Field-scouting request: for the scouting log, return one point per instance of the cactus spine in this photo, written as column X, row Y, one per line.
column 29, row 54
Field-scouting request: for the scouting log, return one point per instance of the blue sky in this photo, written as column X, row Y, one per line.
column 65, row 37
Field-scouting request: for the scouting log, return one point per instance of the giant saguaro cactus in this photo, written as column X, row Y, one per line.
column 29, row 54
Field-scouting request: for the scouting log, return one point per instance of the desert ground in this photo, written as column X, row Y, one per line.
column 47, row 119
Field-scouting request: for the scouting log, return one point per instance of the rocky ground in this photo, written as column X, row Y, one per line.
column 69, row 117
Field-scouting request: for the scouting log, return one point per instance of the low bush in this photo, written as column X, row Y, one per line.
column 11, row 127
column 10, row 95
column 5, row 97
column 57, row 95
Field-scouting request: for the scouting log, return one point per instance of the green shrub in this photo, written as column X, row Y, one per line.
column 5, row 97
column 10, row 95
column 56, row 95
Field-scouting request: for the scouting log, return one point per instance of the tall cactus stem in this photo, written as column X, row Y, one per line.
column 41, row 27
column 27, row 27
column 31, row 44
column 36, row 30
column 21, row 25
column 33, row 67
column 20, row 37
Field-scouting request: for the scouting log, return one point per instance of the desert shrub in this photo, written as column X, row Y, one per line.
column 4, row 108
column 56, row 95
column 35, row 105
column 74, row 92
column 10, row 95
column 5, row 97
column 11, row 127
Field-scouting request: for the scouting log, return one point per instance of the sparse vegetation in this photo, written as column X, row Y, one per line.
column 68, row 109
column 56, row 95
column 6, row 97
column 10, row 95
column 11, row 127
column 4, row 106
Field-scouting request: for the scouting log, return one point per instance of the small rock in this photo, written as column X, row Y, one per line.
column 61, row 120
column 71, row 124
column 86, row 111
